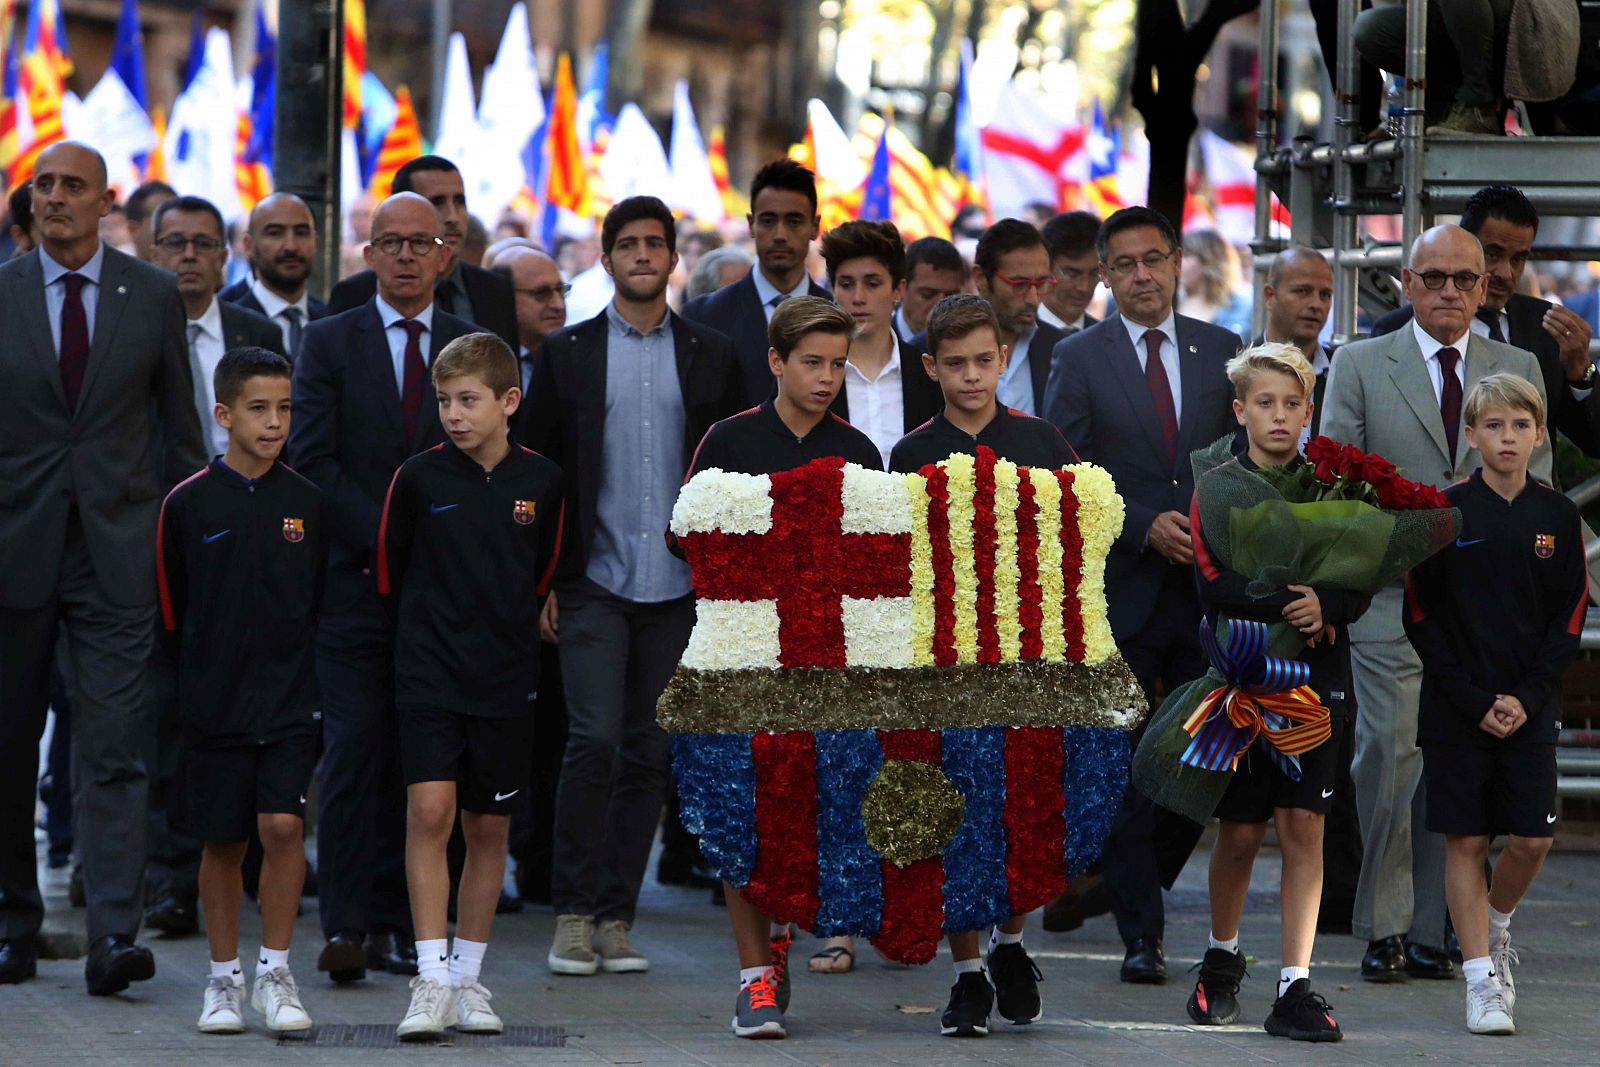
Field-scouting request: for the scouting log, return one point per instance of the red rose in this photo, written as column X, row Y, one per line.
column 1349, row 460
column 1319, row 449
column 1396, row 494
column 1375, row 470
column 1325, row 471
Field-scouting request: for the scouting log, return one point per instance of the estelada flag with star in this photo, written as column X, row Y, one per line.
column 900, row 713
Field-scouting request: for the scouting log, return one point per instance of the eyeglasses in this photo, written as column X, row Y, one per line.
column 176, row 242
column 421, row 244
column 545, row 292
column 1022, row 285
column 1151, row 261
column 1465, row 280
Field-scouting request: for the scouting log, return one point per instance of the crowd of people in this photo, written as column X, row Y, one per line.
column 460, row 598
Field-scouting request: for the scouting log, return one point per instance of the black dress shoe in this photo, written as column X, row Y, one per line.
column 174, row 916
column 343, row 957
column 1145, row 963
column 388, row 951
column 19, row 959
column 1384, row 960
column 1424, row 961
column 115, row 962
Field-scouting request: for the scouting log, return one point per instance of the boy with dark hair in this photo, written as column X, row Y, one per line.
column 240, row 558
column 467, row 546
column 966, row 358
column 810, row 340
column 1495, row 619
column 1273, row 384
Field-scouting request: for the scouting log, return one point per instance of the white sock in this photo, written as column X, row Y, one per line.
column 998, row 936
column 466, row 961
column 228, row 969
column 1230, row 945
column 1499, row 921
column 1477, row 970
column 433, row 959
column 776, row 931
column 271, row 959
column 968, row 967
column 1289, row 976
column 750, row 974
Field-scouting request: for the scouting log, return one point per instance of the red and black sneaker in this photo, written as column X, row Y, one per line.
column 1302, row 1015
column 1215, row 1000
column 778, row 948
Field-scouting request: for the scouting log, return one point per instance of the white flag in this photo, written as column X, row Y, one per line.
column 199, row 145
column 511, row 110
column 635, row 164
column 694, row 187
column 459, row 138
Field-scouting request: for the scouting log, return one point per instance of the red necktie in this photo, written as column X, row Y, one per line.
column 415, row 372
column 1155, row 379
column 1450, row 398
column 74, row 338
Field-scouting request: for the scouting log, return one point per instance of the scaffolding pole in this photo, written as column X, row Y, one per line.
column 1413, row 116
column 1347, row 82
column 1266, row 147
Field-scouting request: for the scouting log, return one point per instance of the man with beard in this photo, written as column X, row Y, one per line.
column 1011, row 269
column 619, row 403
column 281, row 242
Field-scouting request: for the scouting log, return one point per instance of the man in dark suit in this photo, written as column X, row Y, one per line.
column 620, row 402
column 363, row 404
column 783, row 222
column 281, row 243
column 1506, row 223
column 1011, row 269
column 1070, row 238
column 462, row 290
column 1137, row 393
column 100, row 423
column 934, row 270
column 1298, row 294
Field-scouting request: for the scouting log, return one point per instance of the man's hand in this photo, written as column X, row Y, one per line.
column 1510, row 712
column 1304, row 614
column 1571, row 332
column 1169, row 535
column 550, row 620
column 1494, row 721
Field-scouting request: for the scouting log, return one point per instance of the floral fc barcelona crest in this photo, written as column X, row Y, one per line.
column 294, row 529
column 522, row 511
column 1544, row 545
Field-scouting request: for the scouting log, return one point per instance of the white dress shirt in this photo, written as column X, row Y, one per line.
column 1046, row 315
column 274, row 307
column 767, row 291
column 1169, row 355
column 877, row 405
column 1430, row 356
column 902, row 328
column 396, row 337
column 209, row 345
column 55, row 290
column 1016, row 383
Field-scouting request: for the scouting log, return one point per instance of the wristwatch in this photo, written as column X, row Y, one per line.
column 1590, row 373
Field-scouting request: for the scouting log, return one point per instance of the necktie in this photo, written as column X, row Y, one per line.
column 415, row 372
column 1450, row 398
column 202, row 395
column 74, row 338
column 293, row 315
column 1491, row 319
column 445, row 297
column 1155, row 379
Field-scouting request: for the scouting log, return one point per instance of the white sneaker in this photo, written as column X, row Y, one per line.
column 433, row 1009
column 222, row 1012
column 473, row 1014
column 571, row 952
column 1487, row 1011
column 1502, row 956
column 617, row 954
column 278, row 999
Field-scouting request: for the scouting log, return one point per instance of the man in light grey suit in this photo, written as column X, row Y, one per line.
column 1400, row 395
column 94, row 348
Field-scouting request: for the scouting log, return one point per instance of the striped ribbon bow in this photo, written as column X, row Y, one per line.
column 1264, row 696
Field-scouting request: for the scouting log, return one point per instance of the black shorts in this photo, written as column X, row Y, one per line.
column 224, row 789
column 489, row 759
column 1259, row 787
column 1484, row 790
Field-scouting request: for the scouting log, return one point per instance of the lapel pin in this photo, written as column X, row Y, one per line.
column 122, row 289
column 1192, row 348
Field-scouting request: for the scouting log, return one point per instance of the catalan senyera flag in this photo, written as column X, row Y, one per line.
column 733, row 201
column 253, row 143
column 567, row 179
column 42, row 72
column 920, row 207
column 355, row 59
column 401, row 144
column 9, row 112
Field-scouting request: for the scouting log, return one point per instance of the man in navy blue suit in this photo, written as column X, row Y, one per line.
column 363, row 404
column 783, row 222
column 281, row 243
column 1137, row 393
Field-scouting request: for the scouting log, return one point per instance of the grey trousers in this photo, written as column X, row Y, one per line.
column 616, row 658
column 1401, row 888
column 105, row 651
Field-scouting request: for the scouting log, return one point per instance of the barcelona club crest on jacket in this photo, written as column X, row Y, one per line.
column 294, row 529
column 522, row 511
column 1544, row 545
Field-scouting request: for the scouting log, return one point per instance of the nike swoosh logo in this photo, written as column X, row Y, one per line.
column 444, row 959
column 1468, row 544
column 443, row 507
column 208, row 538
column 1326, row 793
column 507, row 796
column 1549, row 818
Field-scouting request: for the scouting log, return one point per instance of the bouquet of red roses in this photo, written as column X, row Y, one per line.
column 1343, row 472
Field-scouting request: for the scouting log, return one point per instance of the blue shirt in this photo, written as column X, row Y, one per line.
column 767, row 291
column 396, row 336
column 55, row 290
column 1016, row 384
column 641, row 465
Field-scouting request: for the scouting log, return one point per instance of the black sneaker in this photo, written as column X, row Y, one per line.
column 1215, row 1000
column 1302, row 1015
column 1016, row 984
column 968, row 1012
